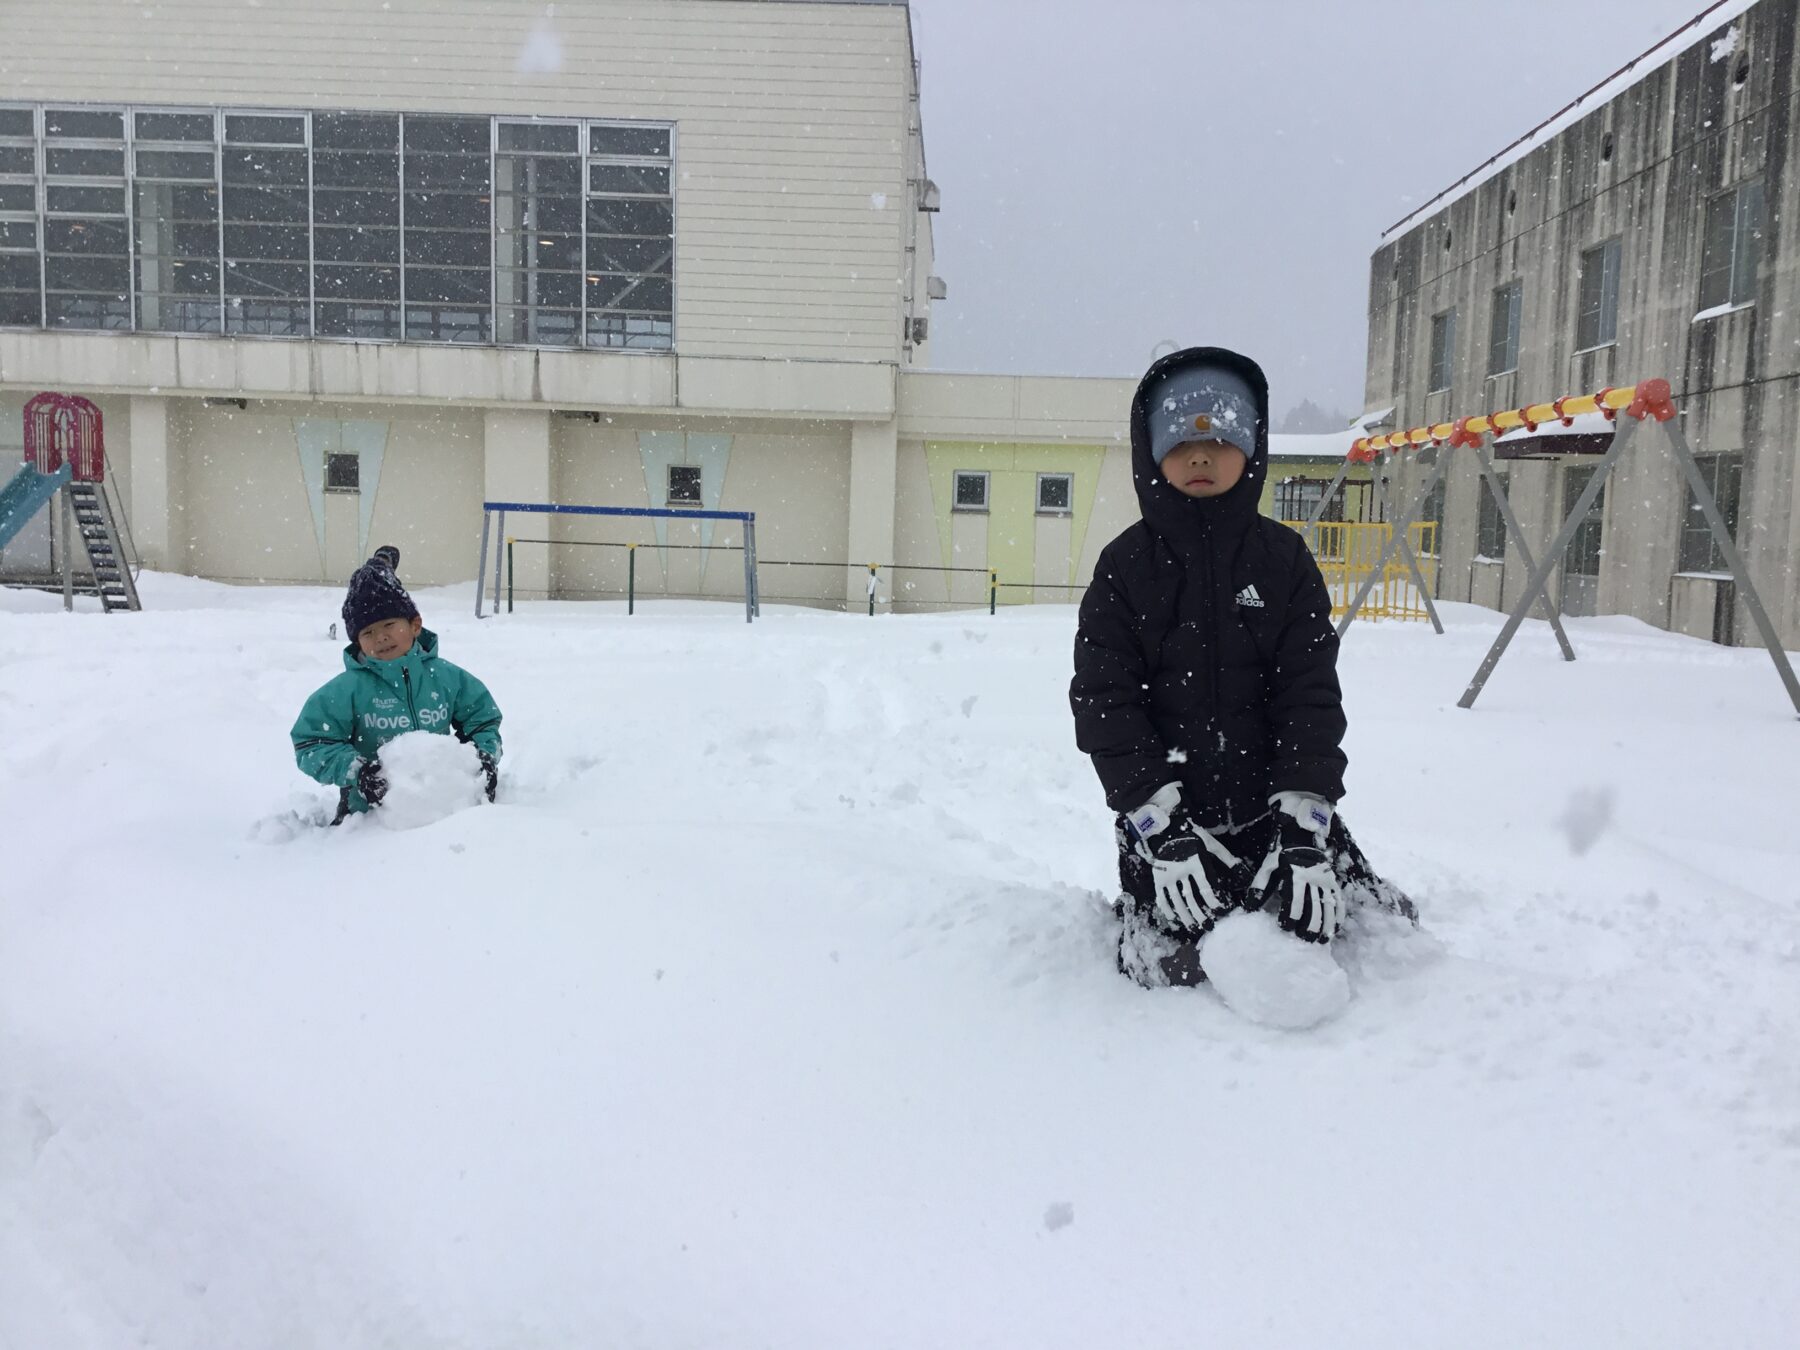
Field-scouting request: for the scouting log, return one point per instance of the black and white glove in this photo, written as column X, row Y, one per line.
column 1188, row 867
column 492, row 770
column 1296, row 879
column 371, row 782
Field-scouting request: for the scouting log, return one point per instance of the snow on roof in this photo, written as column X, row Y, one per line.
column 1378, row 417
column 1723, row 11
column 1582, row 424
column 1322, row 445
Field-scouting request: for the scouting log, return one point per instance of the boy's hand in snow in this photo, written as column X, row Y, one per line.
column 371, row 782
column 492, row 770
column 1297, row 878
column 1188, row 867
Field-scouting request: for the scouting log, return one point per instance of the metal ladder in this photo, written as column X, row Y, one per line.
column 112, row 570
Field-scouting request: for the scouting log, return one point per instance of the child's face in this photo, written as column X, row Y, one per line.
column 1204, row 468
column 390, row 639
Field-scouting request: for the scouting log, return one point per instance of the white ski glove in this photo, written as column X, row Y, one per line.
column 1297, row 879
column 1188, row 866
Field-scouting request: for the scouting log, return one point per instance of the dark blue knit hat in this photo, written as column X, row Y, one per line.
column 376, row 593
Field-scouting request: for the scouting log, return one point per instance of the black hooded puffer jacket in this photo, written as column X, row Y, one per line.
column 1205, row 653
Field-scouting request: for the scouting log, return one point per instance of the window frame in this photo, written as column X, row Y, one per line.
column 1068, row 479
column 1440, row 373
column 335, row 458
column 956, row 480
column 1606, row 321
column 1693, row 530
column 358, row 306
column 698, row 480
column 1490, row 521
column 1508, row 339
column 1743, row 263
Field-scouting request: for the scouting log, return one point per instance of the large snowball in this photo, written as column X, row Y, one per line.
column 1272, row 977
column 429, row 777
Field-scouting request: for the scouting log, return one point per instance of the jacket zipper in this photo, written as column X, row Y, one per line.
column 411, row 708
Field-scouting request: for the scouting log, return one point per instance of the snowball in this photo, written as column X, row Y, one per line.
column 429, row 777
column 1271, row 977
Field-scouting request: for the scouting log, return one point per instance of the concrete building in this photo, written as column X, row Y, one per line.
column 1650, row 229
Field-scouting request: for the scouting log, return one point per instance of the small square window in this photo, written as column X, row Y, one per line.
column 971, row 490
column 1055, row 494
column 684, row 485
column 343, row 473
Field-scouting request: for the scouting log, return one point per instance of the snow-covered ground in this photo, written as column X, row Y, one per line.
column 774, row 1004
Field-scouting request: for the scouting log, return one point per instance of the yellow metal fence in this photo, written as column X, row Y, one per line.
column 1348, row 551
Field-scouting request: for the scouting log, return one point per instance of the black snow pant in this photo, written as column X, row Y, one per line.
column 1155, row 955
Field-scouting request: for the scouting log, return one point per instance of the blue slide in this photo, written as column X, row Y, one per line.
column 25, row 496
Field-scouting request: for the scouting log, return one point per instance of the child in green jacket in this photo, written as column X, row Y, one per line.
column 394, row 682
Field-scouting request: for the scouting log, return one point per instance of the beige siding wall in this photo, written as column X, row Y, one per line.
column 796, row 478
column 251, row 516
column 792, row 121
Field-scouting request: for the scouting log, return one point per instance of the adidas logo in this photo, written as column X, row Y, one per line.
column 1249, row 598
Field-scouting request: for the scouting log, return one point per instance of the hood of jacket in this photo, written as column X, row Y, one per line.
column 1172, row 513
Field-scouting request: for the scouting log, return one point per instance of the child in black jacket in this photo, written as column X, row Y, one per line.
column 1206, row 685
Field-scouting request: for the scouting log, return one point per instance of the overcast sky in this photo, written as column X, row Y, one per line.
column 1118, row 172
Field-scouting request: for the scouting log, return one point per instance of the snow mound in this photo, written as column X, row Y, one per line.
column 1271, row 977
column 429, row 777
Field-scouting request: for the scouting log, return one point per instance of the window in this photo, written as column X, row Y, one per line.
column 263, row 206
column 20, row 304
column 446, row 229
column 1733, row 247
column 175, row 196
column 1597, row 320
column 630, row 237
column 1503, row 329
column 1443, row 350
column 537, row 233
column 1724, row 475
column 684, row 485
column 1490, row 525
column 87, row 254
column 356, row 225
column 1055, row 494
column 343, row 473
column 341, row 224
column 971, row 493
column 1297, row 498
column 1582, row 557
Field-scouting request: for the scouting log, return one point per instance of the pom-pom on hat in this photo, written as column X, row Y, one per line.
column 375, row 594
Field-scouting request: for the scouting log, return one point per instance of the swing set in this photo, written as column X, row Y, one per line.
column 1646, row 401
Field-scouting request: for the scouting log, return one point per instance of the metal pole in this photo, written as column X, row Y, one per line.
column 993, row 589
column 872, row 590
column 509, row 576
column 630, row 579
column 1540, row 575
column 499, row 534
column 1397, row 539
column 1517, row 534
column 1412, row 560
column 749, row 572
column 1733, row 559
column 481, row 563
column 66, row 550
column 755, row 570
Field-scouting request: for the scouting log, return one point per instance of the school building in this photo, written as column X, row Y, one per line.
column 1650, row 229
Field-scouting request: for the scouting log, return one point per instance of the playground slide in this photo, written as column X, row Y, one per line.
column 24, row 497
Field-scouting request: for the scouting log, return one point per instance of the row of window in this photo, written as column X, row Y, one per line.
column 1699, row 552
column 416, row 227
column 1055, row 492
column 1730, row 254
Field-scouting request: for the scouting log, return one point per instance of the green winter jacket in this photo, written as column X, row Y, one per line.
column 346, row 723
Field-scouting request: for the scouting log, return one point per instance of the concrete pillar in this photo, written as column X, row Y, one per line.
column 516, row 468
column 873, row 461
column 157, row 506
